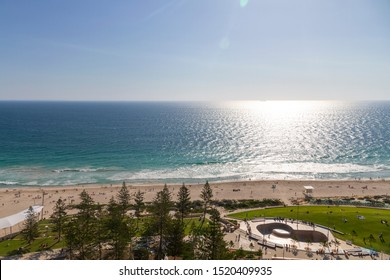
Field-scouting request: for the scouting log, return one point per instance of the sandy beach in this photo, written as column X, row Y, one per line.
column 17, row 199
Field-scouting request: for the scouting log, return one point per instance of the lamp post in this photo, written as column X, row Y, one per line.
column 328, row 225
column 297, row 213
column 43, row 202
column 263, row 226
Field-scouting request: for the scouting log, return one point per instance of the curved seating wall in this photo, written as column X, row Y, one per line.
column 299, row 235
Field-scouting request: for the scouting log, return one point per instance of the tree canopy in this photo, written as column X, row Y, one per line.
column 30, row 231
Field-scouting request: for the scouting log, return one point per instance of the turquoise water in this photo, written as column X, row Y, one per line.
column 61, row 143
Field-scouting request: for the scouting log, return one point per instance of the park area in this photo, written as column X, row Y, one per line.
column 48, row 239
column 365, row 227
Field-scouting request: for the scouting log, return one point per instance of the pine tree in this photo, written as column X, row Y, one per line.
column 214, row 246
column 175, row 236
column 192, row 244
column 58, row 217
column 183, row 203
column 81, row 230
column 30, row 231
column 118, row 229
column 161, row 218
column 86, row 205
column 139, row 205
column 72, row 237
column 101, row 234
column 206, row 195
column 124, row 199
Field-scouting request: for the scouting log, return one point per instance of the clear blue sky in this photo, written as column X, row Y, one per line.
column 194, row 49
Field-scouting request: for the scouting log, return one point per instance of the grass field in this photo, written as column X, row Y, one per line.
column 46, row 237
column 363, row 231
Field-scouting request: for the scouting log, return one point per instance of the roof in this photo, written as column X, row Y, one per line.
column 18, row 217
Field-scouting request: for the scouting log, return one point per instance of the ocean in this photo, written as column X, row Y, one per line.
column 70, row 143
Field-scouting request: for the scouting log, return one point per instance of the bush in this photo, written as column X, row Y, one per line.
column 246, row 203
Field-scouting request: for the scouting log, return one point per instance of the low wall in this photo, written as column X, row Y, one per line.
column 299, row 235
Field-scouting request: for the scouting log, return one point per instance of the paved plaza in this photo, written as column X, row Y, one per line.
column 280, row 236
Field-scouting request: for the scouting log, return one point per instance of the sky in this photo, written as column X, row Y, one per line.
column 194, row 50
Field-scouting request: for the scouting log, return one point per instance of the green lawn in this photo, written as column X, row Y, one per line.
column 355, row 229
column 46, row 236
column 196, row 221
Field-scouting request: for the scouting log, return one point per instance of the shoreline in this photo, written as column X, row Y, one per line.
column 12, row 185
column 162, row 182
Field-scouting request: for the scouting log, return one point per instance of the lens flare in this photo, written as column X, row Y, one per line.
column 224, row 43
column 244, row 3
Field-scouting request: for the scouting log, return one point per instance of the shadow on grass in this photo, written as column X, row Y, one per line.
column 19, row 251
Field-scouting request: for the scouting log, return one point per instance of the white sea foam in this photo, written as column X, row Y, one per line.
column 239, row 170
column 315, row 168
column 8, row 183
column 198, row 172
column 85, row 169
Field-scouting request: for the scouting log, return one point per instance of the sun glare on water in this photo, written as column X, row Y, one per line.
column 282, row 109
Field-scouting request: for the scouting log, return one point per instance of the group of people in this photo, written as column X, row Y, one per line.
column 44, row 245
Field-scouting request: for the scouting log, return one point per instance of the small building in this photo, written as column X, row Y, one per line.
column 308, row 191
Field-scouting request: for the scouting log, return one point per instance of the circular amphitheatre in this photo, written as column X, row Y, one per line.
column 283, row 230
